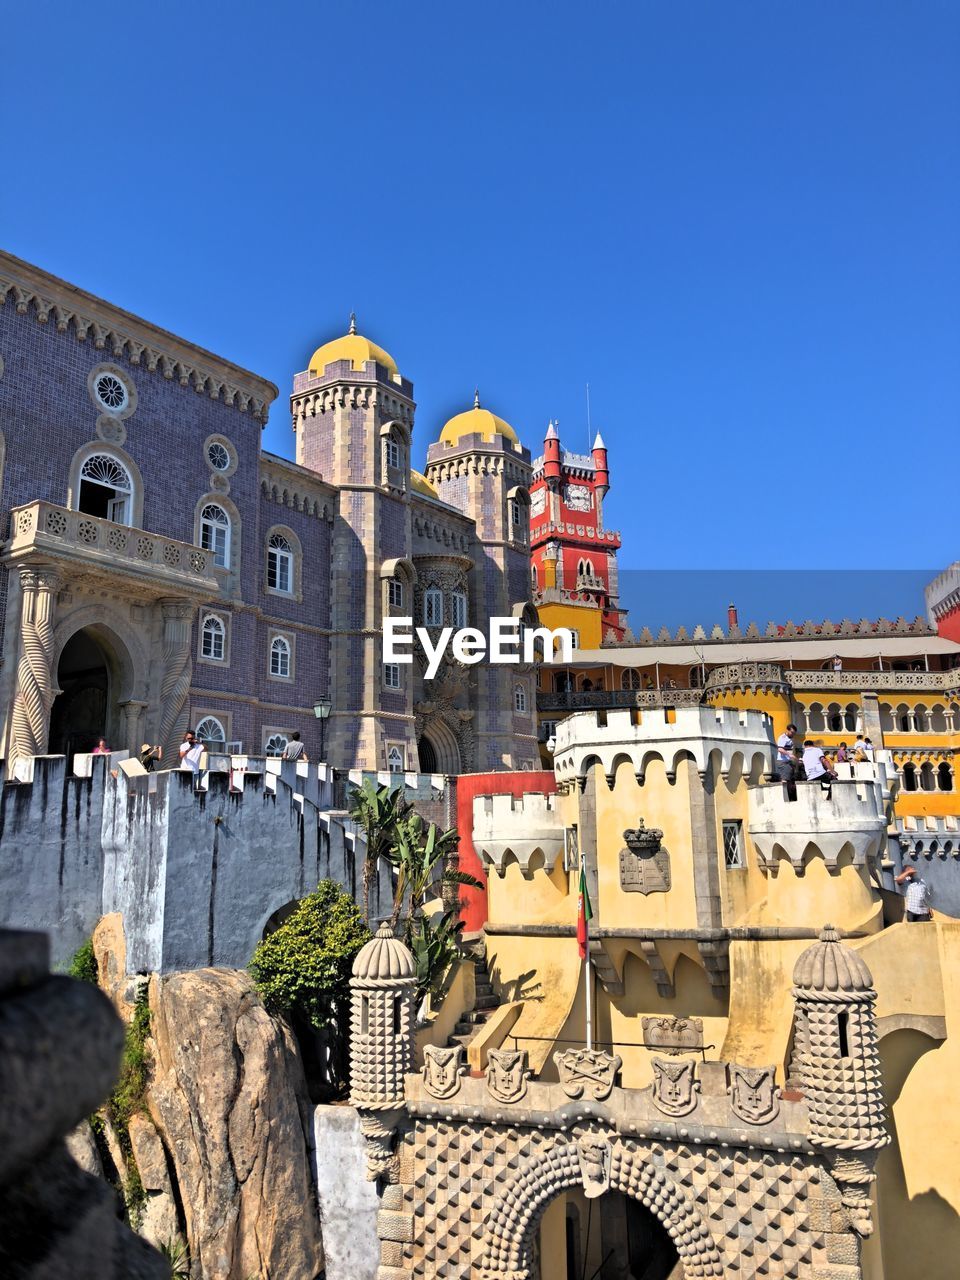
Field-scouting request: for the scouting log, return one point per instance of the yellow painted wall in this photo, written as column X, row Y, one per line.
column 585, row 619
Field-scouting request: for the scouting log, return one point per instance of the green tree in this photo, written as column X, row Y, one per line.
column 302, row 969
column 376, row 810
column 83, row 966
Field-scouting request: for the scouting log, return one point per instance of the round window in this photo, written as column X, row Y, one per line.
column 218, row 456
column 111, row 392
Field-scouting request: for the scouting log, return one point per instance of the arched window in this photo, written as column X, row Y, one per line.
column 630, row 679
column 395, row 593
column 944, row 776
column 279, row 564
column 850, row 718
column 213, row 638
column 534, row 580
column 696, row 677
column 280, row 657
column 106, row 489
column 909, row 776
column 926, row 776
column 562, row 682
column 275, row 745
column 215, row 533
column 458, row 603
column 519, row 698
column 211, row 732
column 391, row 452
column 433, row 607
column 834, row 718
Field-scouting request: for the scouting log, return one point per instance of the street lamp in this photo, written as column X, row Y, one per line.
column 321, row 709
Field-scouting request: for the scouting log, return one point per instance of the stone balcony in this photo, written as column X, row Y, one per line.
column 851, row 820
column 580, row 700
column 853, row 681
column 87, row 546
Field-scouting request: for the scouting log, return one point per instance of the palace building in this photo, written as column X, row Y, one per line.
column 160, row 570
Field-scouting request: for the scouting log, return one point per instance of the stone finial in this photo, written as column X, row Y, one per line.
column 829, row 966
column 384, row 957
column 353, row 322
column 476, row 397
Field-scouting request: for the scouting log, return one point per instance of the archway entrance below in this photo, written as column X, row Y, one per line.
column 439, row 750
column 83, row 712
column 611, row 1237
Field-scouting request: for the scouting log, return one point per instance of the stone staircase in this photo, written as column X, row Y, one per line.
column 487, row 1000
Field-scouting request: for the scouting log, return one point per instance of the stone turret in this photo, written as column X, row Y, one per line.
column 836, row 1063
column 383, row 990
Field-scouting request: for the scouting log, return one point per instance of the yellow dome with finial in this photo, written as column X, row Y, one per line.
column 477, row 422
column 353, row 347
column 420, row 484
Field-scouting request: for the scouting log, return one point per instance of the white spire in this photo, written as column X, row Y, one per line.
column 598, row 443
column 552, row 433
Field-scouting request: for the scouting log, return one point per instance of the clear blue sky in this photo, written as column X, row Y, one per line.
column 737, row 221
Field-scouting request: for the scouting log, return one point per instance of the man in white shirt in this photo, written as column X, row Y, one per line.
column 816, row 766
column 785, row 769
column 916, row 896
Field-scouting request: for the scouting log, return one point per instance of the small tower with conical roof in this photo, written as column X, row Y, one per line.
column 382, row 995
column 836, row 1063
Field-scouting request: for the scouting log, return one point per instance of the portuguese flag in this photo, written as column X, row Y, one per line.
column 584, row 913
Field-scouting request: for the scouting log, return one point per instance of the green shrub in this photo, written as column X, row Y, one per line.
column 83, row 966
column 302, row 969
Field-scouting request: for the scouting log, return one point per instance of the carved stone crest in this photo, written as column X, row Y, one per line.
column 507, row 1074
column 587, row 1072
column 442, row 1069
column 673, row 1035
column 675, row 1086
column 644, row 863
column 595, row 1158
column 753, row 1092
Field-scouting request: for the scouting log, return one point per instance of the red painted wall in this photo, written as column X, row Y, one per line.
column 470, row 785
column 949, row 626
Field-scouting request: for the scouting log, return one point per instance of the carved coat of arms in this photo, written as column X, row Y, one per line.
column 442, row 1070
column 644, row 863
column 595, row 1156
column 507, row 1074
column 587, row 1072
column 753, row 1092
column 675, row 1086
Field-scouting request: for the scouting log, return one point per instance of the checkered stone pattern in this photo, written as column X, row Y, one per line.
column 844, row 1092
column 381, row 1039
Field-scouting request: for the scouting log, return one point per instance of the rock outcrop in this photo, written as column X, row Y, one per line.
column 60, row 1046
column 225, row 1096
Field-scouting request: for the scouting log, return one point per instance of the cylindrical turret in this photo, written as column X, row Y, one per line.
column 551, row 455
column 602, row 482
column 382, row 989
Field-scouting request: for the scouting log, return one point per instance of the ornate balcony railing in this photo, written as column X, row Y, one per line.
column 58, row 533
column 851, row 681
column 584, row 699
column 745, row 673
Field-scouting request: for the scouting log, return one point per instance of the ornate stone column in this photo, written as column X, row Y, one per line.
column 35, row 683
column 132, row 711
column 177, row 675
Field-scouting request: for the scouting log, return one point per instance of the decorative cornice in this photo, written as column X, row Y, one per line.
column 288, row 485
column 112, row 329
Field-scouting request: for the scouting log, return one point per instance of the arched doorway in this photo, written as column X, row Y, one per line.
column 611, row 1236
column 438, row 749
column 86, row 709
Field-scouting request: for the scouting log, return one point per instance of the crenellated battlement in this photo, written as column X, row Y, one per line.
column 717, row 739
column 521, row 826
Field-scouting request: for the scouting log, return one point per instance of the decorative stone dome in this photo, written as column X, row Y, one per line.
column 477, row 422
column 383, row 957
column 353, row 347
column 828, row 965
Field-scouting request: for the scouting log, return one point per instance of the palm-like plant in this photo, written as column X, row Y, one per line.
column 376, row 810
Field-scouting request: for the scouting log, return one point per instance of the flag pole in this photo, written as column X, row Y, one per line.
column 586, row 960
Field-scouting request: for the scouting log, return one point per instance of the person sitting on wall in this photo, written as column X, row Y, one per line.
column 859, row 749
column 101, row 749
column 868, row 749
column 916, row 896
column 786, row 765
column 842, row 756
column 295, row 750
column 149, row 756
column 816, row 766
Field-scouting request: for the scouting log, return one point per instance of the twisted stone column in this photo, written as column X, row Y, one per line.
column 35, row 684
column 177, row 675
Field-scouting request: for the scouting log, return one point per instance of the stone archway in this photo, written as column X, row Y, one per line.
column 516, row 1217
column 95, row 679
column 438, row 748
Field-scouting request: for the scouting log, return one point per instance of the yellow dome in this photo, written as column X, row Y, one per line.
column 420, row 484
column 479, row 422
column 353, row 347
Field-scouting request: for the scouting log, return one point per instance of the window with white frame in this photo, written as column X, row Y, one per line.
column 516, row 519
column 275, row 745
column 213, row 635
column 215, row 533
column 106, row 489
column 733, row 842
column 279, row 564
column 395, row 593
column 391, row 675
column 392, row 452
column 433, row 607
column 211, row 732
column 519, row 698
column 548, row 729
column 395, row 761
column 458, row 602
column 280, row 657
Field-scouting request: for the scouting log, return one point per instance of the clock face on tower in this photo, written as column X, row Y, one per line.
column 538, row 501
column 578, row 497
